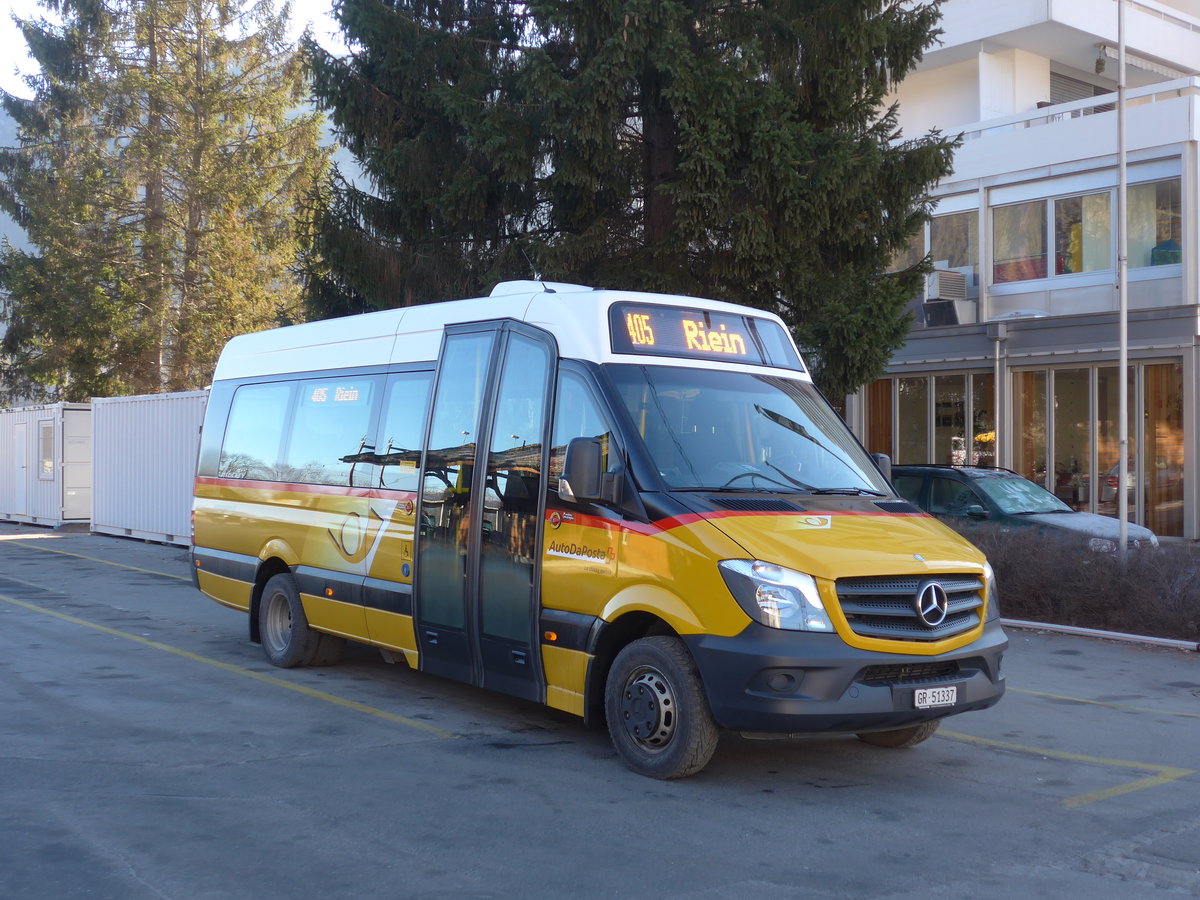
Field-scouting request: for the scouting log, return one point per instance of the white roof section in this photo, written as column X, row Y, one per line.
column 576, row 315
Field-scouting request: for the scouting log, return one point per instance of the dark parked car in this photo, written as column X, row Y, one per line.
column 1002, row 498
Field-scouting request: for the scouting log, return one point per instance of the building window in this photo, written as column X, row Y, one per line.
column 46, row 450
column 983, row 417
column 949, row 419
column 1019, row 242
column 1154, row 224
column 1082, row 234
column 1162, row 480
column 1029, row 425
column 913, row 433
column 954, row 244
column 1072, row 437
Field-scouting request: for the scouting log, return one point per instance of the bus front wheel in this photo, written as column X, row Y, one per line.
column 282, row 626
column 657, row 713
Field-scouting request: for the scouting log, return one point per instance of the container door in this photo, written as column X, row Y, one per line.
column 480, row 507
column 20, row 470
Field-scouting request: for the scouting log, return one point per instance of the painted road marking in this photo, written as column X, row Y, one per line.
column 237, row 670
column 1162, row 774
column 1110, row 705
column 106, row 562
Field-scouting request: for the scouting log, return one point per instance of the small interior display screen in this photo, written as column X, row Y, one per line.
column 700, row 334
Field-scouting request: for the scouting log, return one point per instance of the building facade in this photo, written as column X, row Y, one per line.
column 1013, row 355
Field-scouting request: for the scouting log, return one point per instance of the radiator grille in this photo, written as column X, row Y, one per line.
column 885, row 606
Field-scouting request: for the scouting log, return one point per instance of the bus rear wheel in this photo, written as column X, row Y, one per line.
column 657, row 713
column 900, row 738
column 282, row 626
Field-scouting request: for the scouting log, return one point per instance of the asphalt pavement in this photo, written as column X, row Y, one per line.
column 148, row 750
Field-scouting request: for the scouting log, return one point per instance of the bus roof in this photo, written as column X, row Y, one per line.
column 576, row 315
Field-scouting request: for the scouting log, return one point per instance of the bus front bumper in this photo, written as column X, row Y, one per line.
column 765, row 680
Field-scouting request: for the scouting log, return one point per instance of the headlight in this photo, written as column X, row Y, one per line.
column 775, row 596
column 1102, row 545
column 993, row 594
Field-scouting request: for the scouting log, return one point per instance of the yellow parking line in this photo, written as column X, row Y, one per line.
column 1145, row 709
column 1162, row 774
column 107, row 562
column 238, row 670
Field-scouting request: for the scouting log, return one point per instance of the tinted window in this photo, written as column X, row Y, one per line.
column 254, row 432
column 908, row 487
column 331, row 427
column 948, row 496
column 577, row 414
column 401, row 430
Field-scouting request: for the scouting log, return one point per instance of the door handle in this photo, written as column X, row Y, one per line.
column 431, row 637
column 519, row 657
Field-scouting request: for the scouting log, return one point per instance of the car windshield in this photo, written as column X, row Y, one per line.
column 1017, row 496
column 739, row 431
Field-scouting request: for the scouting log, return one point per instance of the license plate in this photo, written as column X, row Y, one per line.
column 927, row 698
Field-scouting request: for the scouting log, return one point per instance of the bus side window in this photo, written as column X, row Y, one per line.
column 254, row 431
column 330, row 429
column 576, row 414
column 401, row 430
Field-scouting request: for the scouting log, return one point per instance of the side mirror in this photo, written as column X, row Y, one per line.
column 975, row 511
column 884, row 462
column 580, row 480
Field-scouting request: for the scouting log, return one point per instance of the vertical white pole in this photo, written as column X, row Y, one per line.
column 1122, row 292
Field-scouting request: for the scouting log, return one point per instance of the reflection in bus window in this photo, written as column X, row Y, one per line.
column 577, row 414
column 329, row 429
column 255, row 430
column 513, row 491
column 401, row 430
column 719, row 429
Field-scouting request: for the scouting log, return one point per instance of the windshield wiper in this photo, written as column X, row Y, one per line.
column 849, row 491
column 765, row 477
column 1041, row 512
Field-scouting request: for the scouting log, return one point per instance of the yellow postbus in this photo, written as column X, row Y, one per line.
column 629, row 506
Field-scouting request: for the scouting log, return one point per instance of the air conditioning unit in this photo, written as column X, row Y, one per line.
column 945, row 284
column 949, row 312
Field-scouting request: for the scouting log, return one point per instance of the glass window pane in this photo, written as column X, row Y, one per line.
column 1072, row 427
column 1029, row 425
column 878, row 397
column 1019, row 242
column 513, row 491
column 983, row 402
column 402, row 429
column 1163, row 456
column 46, row 449
column 576, row 414
column 1108, row 440
column 954, row 244
column 949, row 419
column 913, row 445
column 330, row 428
column 447, row 482
column 1082, row 229
column 254, row 432
column 1154, row 224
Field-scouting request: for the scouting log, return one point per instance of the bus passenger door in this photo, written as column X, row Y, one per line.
column 514, row 485
column 476, row 572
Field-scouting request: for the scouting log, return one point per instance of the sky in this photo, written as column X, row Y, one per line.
column 14, row 62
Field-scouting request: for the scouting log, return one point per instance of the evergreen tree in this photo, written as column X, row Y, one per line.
column 736, row 151
column 161, row 174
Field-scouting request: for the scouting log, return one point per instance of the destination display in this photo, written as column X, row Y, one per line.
column 700, row 334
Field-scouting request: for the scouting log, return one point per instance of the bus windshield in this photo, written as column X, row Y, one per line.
column 723, row 430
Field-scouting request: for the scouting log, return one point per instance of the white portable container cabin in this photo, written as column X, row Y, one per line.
column 46, row 463
column 144, row 451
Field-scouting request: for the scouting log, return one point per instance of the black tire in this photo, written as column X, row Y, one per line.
column 658, row 716
column 902, row 737
column 329, row 649
column 283, row 628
